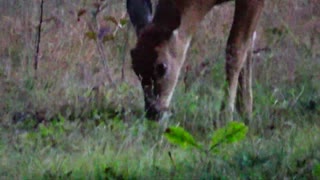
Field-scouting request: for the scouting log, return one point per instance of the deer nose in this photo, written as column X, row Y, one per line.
column 161, row 69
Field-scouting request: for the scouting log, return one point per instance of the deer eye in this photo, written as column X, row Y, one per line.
column 161, row 69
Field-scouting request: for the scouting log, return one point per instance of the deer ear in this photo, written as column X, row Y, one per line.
column 140, row 13
column 167, row 15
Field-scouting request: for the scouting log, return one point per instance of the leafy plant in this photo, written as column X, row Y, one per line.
column 179, row 136
column 233, row 132
column 101, row 34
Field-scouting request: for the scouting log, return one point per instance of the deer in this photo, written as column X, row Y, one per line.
column 163, row 40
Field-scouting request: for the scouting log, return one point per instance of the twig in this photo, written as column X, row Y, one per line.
column 100, row 47
column 99, row 42
column 38, row 39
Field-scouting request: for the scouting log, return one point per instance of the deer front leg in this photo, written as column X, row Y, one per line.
column 247, row 13
column 235, row 59
column 244, row 92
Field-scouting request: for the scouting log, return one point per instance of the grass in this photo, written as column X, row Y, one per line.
column 71, row 124
column 138, row 150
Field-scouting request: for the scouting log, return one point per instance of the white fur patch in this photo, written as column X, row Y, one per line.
column 184, row 43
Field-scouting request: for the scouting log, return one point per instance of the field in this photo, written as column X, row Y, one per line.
column 67, row 120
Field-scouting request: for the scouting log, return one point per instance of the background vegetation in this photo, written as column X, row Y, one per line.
column 71, row 122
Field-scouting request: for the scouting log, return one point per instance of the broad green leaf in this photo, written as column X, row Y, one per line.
column 232, row 132
column 179, row 136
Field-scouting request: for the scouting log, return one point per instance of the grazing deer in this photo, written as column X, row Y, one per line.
column 163, row 41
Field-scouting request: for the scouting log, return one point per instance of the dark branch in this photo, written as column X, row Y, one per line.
column 38, row 39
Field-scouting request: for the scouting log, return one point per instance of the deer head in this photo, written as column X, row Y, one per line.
column 163, row 41
column 159, row 52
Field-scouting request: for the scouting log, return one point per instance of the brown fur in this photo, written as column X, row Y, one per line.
column 162, row 46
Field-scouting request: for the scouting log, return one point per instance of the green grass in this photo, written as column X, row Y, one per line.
column 71, row 124
column 138, row 150
column 105, row 144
